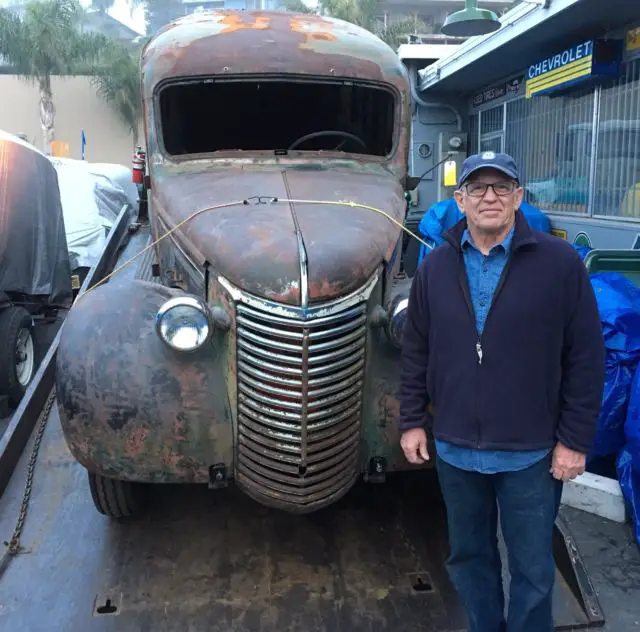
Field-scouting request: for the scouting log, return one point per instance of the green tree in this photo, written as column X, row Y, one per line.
column 117, row 81
column 44, row 42
column 364, row 13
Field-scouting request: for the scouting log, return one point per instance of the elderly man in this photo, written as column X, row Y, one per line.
column 503, row 338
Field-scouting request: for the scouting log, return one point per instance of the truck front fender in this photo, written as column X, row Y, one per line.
column 130, row 407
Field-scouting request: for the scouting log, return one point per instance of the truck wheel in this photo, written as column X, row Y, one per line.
column 17, row 353
column 114, row 498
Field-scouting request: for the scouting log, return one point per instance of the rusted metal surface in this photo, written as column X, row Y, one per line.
column 345, row 245
column 294, row 425
column 24, row 418
column 228, row 42
column 260, row 43
column 288, row 394
column 130, row 407
column 255, row 246
column 381, row 413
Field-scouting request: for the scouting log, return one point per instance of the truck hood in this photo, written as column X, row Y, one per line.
column 256, row 245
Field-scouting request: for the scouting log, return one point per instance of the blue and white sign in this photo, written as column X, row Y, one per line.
column 566, row 57
column 573, row 65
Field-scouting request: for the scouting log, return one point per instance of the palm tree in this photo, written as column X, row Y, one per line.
column 117, row 80
column 44, row 42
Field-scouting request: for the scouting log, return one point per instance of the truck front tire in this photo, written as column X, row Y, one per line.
column 114, row 498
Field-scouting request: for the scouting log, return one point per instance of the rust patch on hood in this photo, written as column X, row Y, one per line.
column 237, row 42
column 256, row 246
column 345, row 244
column 237, row 21
column 301, row 25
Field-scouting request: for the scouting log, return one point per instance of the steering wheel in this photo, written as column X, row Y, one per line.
column 346, row 135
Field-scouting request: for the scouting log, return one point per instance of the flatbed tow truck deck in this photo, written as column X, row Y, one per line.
column 201, row 560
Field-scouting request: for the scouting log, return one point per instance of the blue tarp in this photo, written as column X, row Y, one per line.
column 628, row 459
column 583, row 251
column 629, row 480
column 618, row 434
column 440, row 217
column 619, row 307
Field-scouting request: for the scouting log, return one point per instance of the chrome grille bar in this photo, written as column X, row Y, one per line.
column 299, row 401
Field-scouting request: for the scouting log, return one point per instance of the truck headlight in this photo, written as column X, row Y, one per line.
column 397, row 318
column 183, row 323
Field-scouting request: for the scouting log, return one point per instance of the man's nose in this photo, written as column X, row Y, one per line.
column 490, row 194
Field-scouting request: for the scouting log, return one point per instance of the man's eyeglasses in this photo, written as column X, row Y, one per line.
column 478, row 189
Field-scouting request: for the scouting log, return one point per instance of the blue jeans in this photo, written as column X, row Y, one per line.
column 529, row 500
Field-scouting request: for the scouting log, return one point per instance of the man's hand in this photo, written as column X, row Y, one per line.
column 414, row 445
column 566, row 464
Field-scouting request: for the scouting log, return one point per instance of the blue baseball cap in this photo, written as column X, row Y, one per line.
column 489, row 159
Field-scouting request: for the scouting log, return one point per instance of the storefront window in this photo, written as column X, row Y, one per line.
column 492, row 129
column 550, row 138
column 617, row 175
column 491, row 121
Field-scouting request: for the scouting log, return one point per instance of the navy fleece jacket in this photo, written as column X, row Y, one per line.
column 535, row 376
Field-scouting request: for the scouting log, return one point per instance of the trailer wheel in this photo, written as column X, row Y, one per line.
column 17, row 352
column 114, row 498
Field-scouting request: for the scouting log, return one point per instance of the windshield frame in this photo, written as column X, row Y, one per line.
column 270, row 156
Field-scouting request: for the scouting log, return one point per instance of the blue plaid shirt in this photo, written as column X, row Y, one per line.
column 483, row 273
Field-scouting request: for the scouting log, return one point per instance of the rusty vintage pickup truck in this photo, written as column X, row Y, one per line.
column 264, row 350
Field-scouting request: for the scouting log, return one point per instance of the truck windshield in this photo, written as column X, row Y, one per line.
column 249, row 115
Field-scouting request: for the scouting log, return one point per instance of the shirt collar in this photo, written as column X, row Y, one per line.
column 505, row 244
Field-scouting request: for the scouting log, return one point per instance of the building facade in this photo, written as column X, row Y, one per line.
column 559, row 89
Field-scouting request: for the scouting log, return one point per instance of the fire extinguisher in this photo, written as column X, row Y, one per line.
column 138, row 165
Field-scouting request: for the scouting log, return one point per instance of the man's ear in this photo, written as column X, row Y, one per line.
column 459, row 200
column 519, row 195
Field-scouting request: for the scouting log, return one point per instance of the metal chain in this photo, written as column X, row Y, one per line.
column 13, row 545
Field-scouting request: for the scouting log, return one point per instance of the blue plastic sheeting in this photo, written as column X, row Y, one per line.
column 583, row 251
column 628, row 461
column 629, row 480
column 444, row 215
column 610, row 438
column 619, row 307
column 618, row 433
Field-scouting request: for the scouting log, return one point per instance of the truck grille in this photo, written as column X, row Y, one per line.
column 299, row 404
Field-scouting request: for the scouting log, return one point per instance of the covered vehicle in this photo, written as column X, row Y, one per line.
column 277, row 149
column 35, row 277
column 92, row 197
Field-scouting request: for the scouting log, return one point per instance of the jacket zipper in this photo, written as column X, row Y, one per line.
column 465, row 291
column 464, row 286
column 501, row 281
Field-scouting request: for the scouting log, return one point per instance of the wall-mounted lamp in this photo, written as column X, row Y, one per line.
column 471, row 21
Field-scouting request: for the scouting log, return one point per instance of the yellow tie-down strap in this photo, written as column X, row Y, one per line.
column 247, row 202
